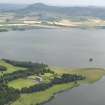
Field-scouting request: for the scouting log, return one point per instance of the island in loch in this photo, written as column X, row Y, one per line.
column 29, row 83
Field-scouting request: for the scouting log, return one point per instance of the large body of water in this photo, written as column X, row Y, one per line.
column 56, row 47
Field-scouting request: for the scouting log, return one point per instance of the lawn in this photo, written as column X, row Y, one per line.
column 10, row 68
column 21, row 83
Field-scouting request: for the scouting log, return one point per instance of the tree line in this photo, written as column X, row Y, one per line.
column 25, row 64
column 8, row 94
column 65, row 78
column 24, row 73
column 2, row 68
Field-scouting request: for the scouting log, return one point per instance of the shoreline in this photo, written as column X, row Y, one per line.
column 53, row 96
column 49, row 27
column 67, row 90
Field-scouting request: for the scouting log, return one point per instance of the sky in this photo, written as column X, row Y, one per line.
column 59, row 2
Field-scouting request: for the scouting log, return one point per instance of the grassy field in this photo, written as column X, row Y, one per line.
column 29, row 81
column 10, row 68
column 40, row 97
column 21, row 83
column 92, row 75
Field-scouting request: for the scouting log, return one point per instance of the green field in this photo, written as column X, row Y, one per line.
column 29, row 81
column 40, row 97
column 10, row 68
column 21, row 83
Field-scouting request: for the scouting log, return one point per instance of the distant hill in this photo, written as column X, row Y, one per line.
column 46, row 11
column 42, row 15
